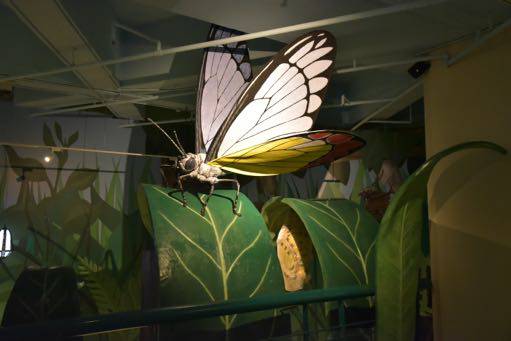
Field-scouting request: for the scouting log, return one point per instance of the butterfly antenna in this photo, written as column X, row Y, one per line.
column 177, row 139
column 180, row 149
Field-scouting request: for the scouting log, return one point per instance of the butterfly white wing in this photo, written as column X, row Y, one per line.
column 283, row 99
column 225, row 74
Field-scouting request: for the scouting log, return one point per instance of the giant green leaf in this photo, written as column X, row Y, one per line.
column 398, row 251
column 210, row 258
column 342, row 232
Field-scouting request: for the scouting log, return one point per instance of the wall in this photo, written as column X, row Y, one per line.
column 76, row 208
column 469, row 194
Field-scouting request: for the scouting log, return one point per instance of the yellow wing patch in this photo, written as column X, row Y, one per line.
column 280, row 156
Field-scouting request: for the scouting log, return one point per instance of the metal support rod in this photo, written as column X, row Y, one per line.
column 93, row 106
column 139, row 34
column 91, row 170
column 479, row 41
column 65, row 88
column 409, row 121
column 389, row 122
column 140, row 100
column 56, row 149
column 389, row 64
column 244, row 37
column 136, row 319
column 305, row 313
column 342, row 318
column 385, row 106
column 141, row 124
column 356, row 103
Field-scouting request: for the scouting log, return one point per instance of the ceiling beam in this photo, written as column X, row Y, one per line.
column 478, row 42
column 408, row 96
column 348, row 103
column 389, row 64
column 141, row 124
column 92, row 106
column 244, row 37
column 50, row 22
column 139, row 100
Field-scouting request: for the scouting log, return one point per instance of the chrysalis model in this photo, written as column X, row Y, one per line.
column 260, row 127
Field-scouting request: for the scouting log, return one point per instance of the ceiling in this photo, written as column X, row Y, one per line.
column 51, row 34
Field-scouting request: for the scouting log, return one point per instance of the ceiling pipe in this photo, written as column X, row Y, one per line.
column 139, row 100
column 389, row 64
column 356, row 103
column 389, row 122
column 142, row 124
column 403, row 94
column 68, row 89
column 93, row 106
column 409, row 121
column 478, row 42
column 244, row 37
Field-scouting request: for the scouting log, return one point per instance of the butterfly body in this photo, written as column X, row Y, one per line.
column 193, row 166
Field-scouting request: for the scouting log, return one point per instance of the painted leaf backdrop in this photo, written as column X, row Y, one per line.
column 399, row 251
column 210, row 258
column 342, row 232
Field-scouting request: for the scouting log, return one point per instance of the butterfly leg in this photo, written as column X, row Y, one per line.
column 180, row 183
column 235, row 205
column 205, row 202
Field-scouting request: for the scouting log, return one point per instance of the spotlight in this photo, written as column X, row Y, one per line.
column 47, row 159
column 418, row 69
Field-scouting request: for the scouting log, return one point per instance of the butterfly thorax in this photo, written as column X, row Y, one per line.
column 195, row 166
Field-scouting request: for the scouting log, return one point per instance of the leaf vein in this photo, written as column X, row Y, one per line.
column 245, row 250
column 344, row 263
column 197, row 278
column 191, row 241
column 263, row 278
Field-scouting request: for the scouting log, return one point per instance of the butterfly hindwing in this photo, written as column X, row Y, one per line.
column 225, row 74
column 283, row 99
column 290, row 153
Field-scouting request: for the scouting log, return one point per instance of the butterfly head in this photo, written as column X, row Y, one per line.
column 189, row 162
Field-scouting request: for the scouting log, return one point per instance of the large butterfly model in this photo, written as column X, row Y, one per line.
column 260, row 127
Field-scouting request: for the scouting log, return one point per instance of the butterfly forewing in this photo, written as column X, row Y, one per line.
column 225, row 74
column 283, row 99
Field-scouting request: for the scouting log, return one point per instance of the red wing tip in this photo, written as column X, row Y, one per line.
column 319, row 136
column 339, row 138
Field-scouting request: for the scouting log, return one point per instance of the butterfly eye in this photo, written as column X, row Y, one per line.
column 190, row 164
